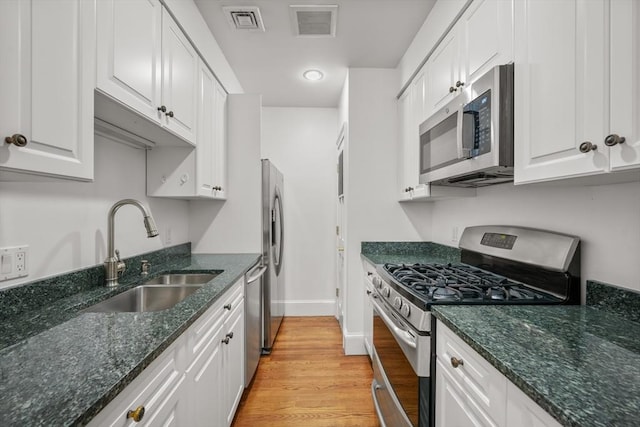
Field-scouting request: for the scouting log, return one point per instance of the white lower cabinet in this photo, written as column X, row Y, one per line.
column 471, row 392
column 369, row 272
column 197, row 381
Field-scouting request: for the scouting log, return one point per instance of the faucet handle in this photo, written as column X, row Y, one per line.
column 121, row 266
column 144, row 266
column 118, row 254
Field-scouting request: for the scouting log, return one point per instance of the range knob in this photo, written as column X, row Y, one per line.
column 405, row 310
column 397, row 302
column 386, row 292
column 377, row 282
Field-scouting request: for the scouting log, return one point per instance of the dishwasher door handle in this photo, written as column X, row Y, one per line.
column 252, row 277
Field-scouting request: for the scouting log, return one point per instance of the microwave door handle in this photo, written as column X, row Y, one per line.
column 459, row 132
column 467, row 123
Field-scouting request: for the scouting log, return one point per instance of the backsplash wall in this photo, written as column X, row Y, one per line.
column 606, row 218
column 65, row 222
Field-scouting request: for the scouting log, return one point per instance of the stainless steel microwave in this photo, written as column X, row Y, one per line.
column 469, row 142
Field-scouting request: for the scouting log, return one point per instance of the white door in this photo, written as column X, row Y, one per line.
column 560, row 91
column 205, row 154
column 129, row 53
column 233, row 362
column 46, row 81
column 340, row 222
column 624, row 112
column 179, row 77
column 220, row 143
column 443, row 72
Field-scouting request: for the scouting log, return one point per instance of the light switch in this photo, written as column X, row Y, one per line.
column 6, row 263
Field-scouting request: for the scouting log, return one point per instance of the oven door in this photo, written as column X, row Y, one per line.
column 400, row 394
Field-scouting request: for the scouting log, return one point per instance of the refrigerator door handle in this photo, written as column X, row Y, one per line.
column 253, row 276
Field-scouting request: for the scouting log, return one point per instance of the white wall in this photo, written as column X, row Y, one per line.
column 372, row 209
column 234, row 226
column 606, row 218
column 65, row 222
column 301, row 143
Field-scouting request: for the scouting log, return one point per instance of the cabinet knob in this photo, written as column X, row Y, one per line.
column 17, row 139
column 136, row 414
column 614, row 139
column 170, row 114
column 230, row 335
column 162, row 109
column 227, row 307
column 368, row 292
column 587, row 146
column 452, row 89
column 455, row 362
column 369, row 273
column 226, row 340
column 459, row 83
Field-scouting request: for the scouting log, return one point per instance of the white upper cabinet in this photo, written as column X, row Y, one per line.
column 47, row 80
column 179, row 80
column 178, row 172
column 576, row 83
column 130, row 52
column 624, row 114
column 147, row 64
column 480, row 40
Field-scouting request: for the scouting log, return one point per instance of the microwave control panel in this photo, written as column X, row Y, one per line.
column 476, row 125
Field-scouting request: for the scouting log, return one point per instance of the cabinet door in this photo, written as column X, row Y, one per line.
column 488, row 37
column 220, row 143
column 129, row 53
column 624, row 112
column 179, row 80
column 405, row 119
column 443, row 72
column 47, row 81
column 524, row 412
column 205, row 151
column 204, row 381
column 560, row 94
column 454, row 408
column 233, row 361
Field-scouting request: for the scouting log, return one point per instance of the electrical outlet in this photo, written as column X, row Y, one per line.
column 167, row 236
column 454, row 235
column 14, row 262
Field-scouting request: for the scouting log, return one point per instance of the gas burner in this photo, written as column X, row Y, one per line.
column 461, row 283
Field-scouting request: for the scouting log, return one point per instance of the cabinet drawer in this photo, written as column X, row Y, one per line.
column 156, row 389
column 211, row 321
column 483, row 383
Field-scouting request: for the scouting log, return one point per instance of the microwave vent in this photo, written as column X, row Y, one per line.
column 313, row 20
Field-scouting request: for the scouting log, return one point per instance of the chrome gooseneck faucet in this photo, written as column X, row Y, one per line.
column 113, row 265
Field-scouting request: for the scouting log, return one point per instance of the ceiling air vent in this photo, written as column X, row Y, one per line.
column 244, row 17
column 314, row 20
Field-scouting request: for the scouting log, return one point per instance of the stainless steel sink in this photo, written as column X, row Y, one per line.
column 181, row 279
column 157, row 294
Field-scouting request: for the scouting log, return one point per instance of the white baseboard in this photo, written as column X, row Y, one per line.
column 310, row 308
column 353, row 344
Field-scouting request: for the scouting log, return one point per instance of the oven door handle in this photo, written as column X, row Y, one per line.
column 401, row 334
column 375, row 387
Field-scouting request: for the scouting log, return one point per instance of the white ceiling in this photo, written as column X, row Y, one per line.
column 370, row 33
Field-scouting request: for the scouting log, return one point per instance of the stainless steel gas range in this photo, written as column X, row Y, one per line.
column 499, row 265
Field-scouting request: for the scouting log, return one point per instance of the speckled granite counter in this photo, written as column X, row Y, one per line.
column 579, row 363
column 408, row 252
column 67, row 372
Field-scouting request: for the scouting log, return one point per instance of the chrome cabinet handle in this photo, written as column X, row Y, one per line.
column 162, row 109
column 455, row 362
column 170, row 114
column 587, row 146
column 614, row 139
column 17, row 139
column 452, row 89
column 459, row 83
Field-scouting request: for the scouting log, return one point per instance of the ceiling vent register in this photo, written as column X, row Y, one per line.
column 314, row 20
column 244, row 17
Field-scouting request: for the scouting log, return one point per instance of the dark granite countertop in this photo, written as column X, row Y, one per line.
column 579, row 363
column 408, row 252
column 65, row 372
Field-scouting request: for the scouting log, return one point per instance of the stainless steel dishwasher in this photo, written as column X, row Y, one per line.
column 253, row 320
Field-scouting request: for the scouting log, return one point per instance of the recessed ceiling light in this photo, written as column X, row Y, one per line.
column 313, row 75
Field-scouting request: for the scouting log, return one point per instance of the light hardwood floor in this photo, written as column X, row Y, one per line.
column 308, row 381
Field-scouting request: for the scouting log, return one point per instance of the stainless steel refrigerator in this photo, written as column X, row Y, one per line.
column 272, row 253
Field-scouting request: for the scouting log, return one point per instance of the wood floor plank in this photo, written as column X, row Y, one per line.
column 308, row 381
